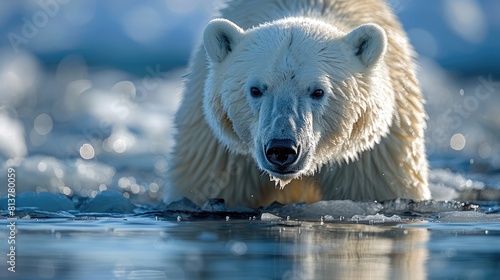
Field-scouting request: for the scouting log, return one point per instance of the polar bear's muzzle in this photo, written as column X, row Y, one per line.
column 282, row 155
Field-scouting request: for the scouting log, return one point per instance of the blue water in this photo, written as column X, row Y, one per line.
column 130, row 247
column 390, row 240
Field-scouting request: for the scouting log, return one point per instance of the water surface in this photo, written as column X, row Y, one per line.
column 149, row 246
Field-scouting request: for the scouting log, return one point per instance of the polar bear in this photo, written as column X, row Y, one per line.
column 300, row 101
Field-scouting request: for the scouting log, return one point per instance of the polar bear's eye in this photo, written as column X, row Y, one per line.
column 255, row 92
column 317, row 94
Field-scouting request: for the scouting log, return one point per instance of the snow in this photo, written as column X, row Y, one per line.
column 104, row 133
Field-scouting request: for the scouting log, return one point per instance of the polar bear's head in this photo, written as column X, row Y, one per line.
column 297, row 93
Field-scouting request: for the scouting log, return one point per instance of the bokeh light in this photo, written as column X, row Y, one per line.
column 457, row 142
column 467, row 19
column 87, row 151
column 43, row 124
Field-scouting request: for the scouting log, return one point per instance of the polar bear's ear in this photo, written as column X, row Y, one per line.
column 220, row 37
column 369, row 43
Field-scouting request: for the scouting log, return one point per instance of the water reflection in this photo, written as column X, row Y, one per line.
column 128, row 248
column 307, row 251
column 358, row 252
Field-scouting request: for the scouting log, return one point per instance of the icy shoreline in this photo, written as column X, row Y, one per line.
column 113, row 204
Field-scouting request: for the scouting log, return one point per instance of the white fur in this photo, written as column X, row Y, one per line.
column 362, row 140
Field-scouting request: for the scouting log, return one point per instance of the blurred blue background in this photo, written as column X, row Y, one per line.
column 118, row 33
column 461, row 35
column 88, row 89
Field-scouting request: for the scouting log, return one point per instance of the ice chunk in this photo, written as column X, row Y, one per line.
column 333, row 208
column 214, row 205
column 27, row 213
column 212, row 209
column 44, row 201
column 408, row 206
column 441, row 206
column 329, row 218
column 377, row 218
column 467, row 217
column 182, row 204
column 270, row 217
column 108, row 202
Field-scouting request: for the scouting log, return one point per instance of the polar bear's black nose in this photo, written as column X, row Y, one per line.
column 281, row 152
